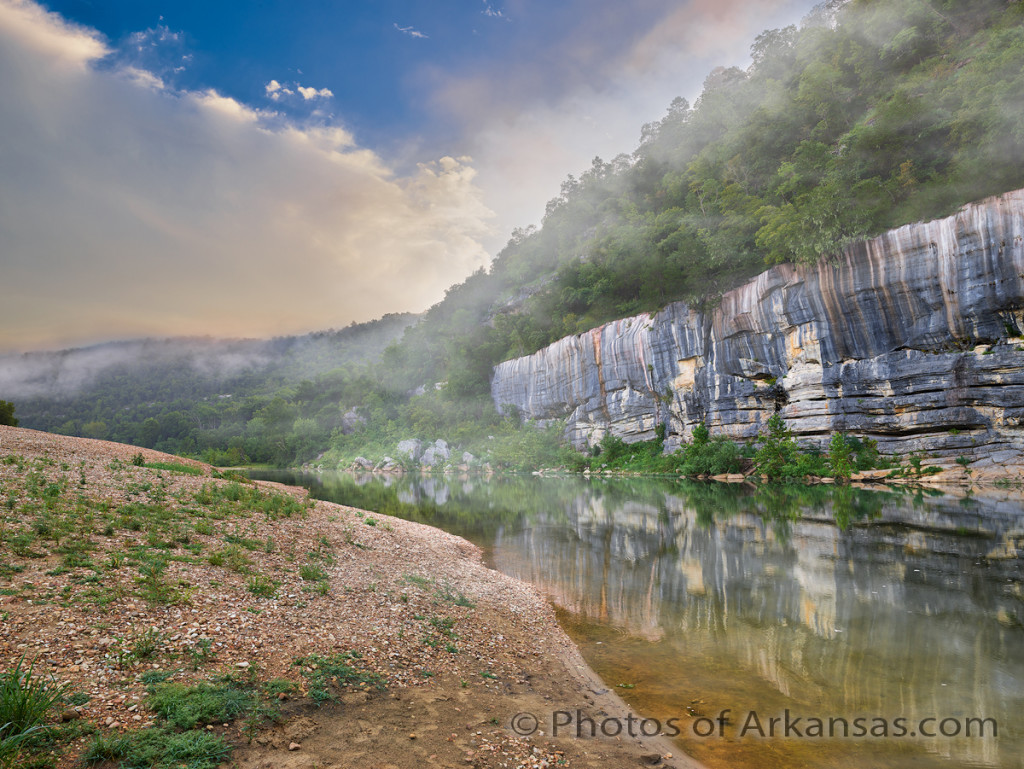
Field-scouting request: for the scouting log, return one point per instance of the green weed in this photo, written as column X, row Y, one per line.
column 312, row 573
column 26, row 700
column 261, row 586
column 324, row 673
column 160, row 749
column 175, row 467
column 187, row 707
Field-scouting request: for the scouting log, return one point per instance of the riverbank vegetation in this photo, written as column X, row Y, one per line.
column 868, row 116
column 774, row 456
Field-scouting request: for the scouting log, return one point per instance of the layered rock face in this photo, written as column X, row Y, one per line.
column 913, row 338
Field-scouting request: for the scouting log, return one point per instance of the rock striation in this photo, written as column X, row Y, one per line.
column 912, row 338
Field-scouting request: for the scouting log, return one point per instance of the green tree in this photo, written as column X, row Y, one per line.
column 840, row 458
column 7, row 414
column 777, row 448
column 95, row 429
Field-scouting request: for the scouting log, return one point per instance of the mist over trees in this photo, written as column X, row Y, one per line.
column 231, row 400
column 868, row 116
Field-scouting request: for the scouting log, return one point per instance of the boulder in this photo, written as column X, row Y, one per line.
column 351, row 420
column 411, row 448
column 432, row 457
column 388, row 465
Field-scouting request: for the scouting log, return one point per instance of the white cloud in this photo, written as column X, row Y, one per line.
column 143, row 78
column 226, row 107
column 491, row 11
column 158, row 50
column 276, row 91
column 154, row 36
column 128, row 207
column 411, row 32
column 63, row 43
column 313, row 93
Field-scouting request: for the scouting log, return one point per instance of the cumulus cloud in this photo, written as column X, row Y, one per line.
column 312, row 93
column 277, row 91
column 128, row 207
column 66, row 45
column 411, row 32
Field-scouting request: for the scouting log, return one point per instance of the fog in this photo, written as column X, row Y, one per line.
column 65, row 373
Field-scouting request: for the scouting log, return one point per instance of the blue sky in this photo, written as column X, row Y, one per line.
column 378, row 58
column 259, row 168
column 366, row 53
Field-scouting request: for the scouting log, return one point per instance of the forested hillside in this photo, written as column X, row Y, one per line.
column 869, row 115
column 196, row 395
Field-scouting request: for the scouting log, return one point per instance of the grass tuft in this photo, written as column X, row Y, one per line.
column 25, row 701
column 322, row 673
column 160, row 749
column 311, row 572
column 187, row 707
column 175, row 467
column 26, row 698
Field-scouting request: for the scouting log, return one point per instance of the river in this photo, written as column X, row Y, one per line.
column 885, row 616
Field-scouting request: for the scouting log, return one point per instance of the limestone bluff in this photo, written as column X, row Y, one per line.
column 912, row 338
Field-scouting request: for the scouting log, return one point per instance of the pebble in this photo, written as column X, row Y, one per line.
column 294, row 746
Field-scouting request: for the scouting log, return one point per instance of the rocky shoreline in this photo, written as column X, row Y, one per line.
column 940, row 475
column 254, row 577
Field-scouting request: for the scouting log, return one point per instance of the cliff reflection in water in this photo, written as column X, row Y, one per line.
column 832, row 601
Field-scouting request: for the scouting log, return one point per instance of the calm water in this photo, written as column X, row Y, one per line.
column 692, row 599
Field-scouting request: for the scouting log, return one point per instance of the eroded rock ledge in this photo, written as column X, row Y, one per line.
column 913, row 338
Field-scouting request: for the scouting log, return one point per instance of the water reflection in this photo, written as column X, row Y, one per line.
column 705, row 596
